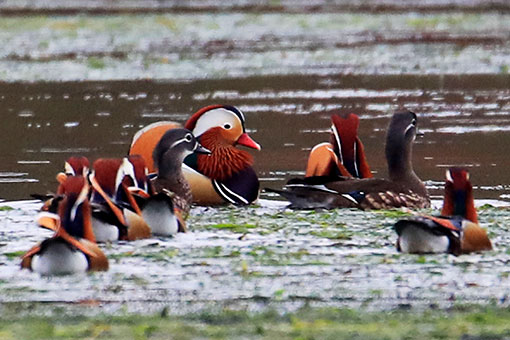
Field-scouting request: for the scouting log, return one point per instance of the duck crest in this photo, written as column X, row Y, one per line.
column 224, row 161
column 192, row 121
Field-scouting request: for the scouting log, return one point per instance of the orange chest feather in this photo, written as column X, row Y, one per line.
column 223, row 162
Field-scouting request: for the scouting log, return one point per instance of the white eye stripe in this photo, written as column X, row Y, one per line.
column 179, row 141
column 409, row 127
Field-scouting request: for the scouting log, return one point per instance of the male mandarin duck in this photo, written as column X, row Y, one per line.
column 456, row 231
column 224, row 176
column 73, row 166
column 402, row 189
column 116, row 214
column 72, row 249
column 343, row 155
column 169, row 199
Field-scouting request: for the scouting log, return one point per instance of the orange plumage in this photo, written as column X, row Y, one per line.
column 225, row 159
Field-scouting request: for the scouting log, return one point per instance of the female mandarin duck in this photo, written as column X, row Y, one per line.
column 169, row 199
column 343, row 155
column 224, row 176
column 72, row 249
column 402, row 189
column 116, row 214
column 456, row 231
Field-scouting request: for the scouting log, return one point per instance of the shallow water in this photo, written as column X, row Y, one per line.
column 465, row 120
column 257, row 258
column 84, row 84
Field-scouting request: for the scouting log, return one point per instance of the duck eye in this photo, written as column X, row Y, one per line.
column 227, row 126
column 188, row 137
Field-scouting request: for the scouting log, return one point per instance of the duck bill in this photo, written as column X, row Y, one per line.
column 248, row 142
column 201, row 150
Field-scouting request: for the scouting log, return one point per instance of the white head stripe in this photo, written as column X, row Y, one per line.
column 177, row 142
column 214, row 118
column 410, row 126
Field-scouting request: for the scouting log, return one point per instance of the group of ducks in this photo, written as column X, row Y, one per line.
column 169, row 167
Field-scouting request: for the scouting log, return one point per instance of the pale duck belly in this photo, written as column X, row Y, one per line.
column 59, row 259
column 160, row 218
column 104, row 232
column 419, row 241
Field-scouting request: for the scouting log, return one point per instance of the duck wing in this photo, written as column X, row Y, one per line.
column 435, row 227
column 341, row 192
column 241, row 188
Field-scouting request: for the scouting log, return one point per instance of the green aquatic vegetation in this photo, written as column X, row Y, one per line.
column 236, row 228
column 14, row 255
column 96, row 63
column 332, row 234
column 393, row 213
column 167, row 22
column 6, row 208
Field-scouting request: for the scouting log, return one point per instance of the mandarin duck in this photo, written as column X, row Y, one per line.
column 169, row 198
column 224, row 176
column 456, row 231
column 402, row 189
column 343, row 155
column 116, row 214
column 72, row 249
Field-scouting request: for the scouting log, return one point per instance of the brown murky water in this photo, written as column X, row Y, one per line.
column 465, row 119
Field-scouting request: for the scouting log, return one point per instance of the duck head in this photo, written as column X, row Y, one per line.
column 458, row 195
column 173, row 147
column 400, row 136
column 74, row 166
column 77, row 166
column 222, row 124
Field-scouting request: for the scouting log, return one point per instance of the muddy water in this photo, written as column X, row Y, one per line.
column 465, row 120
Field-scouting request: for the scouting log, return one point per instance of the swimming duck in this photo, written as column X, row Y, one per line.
column 402, row 189
column 72, row 249
column 224, row 176
column 169, row 198
column 115, row 214
column 343, row 155
column 456, row 231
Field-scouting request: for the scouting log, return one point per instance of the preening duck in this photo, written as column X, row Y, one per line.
column 343, row 155
column 116, row 214
column 402, row 189
column 456, row 231
column 72, row 249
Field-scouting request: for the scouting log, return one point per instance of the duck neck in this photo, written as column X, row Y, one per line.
column 398, row 156
column 459, row 202
column 170, row 166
